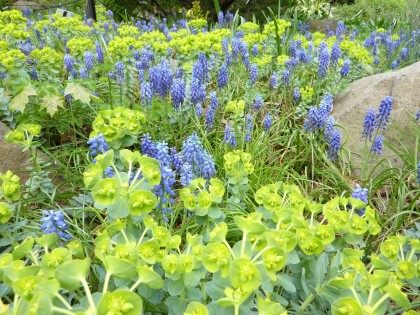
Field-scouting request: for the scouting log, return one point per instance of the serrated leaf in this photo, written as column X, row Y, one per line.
column 51, row 103
column 19, row 102
column 79, row 92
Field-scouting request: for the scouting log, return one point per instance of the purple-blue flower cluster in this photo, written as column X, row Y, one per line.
column 53, row 222
column 361, row 194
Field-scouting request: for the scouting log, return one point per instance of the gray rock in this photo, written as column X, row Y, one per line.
column 350, row 111
column 321, row 25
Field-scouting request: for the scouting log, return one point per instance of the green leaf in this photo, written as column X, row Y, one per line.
column 24, row 248
column 47, row 240
column 79, row 92
column 120, row 268
column 175, row 287
column 19, row 102
column 395, row 292
column 149, row 277
column 72, row 272
column 51, row 103
column 120, row 302
column 321, row 269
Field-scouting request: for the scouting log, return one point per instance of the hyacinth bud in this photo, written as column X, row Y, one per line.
column 323, row 63
column 345, row 69
column 253, row 73
column 334, row 145
column 267, row 122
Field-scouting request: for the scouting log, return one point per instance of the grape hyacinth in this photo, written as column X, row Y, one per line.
column 329, row 129
column 249, row 126
column 198, row 91
column 99, row 52
column 273, row 80
column 296, row 95
column 146, row 93
column 323, row 63
column 258, row 102
column 285, row 77
column 253, row 74
column 361, row 194
column 186, row 175
column 418, row 115
column 82, row 73
column 230, row 137
column 222, row 77
column 369, row 124
column 200, row 160
column 334, row 145
column 68, row 62
column 178, row 93
column 377, row 145
column 160, row 77
column 382, row 118
column 89, row 60
column 33, row 74
column 97, row 145
column 120, row 72
column 211, row 110
column 345, row 69
column 53, row 222
column 418, row 172
column 267, row 122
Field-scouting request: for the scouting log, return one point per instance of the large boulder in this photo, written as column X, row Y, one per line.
column 350, row 111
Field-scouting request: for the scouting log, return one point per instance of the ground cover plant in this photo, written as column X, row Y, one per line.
column 189, row 167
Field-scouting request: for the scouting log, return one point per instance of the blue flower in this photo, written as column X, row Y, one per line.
column 418, row 172
column 258, row 102
column 418, row 115
column 222, row 77
column 109, row 172
column 200, row 160
column 249, row 126
column 285, row 77
column 148, row 147
column 255, row 50
column 198, row 91
column 221, row 19
column 120, row 72
column 146, row 93
column 253, row 73
column 296, row 95
column 178, row 93
column 82, row 73
column 89, row 60
column 334, row 145
column 335, row 54
column 377, row 145
column 273, row 80
column 382, row 118
column 68, row 62
column 99, row 52
column 404, row 53
column 97, row 145
column 230, row 137
column 369, row 124
column 323, row 63
column 267, row 122
column 341, row 28
column 33, row 74
column 361, row 194
column 211, row 110
column 200, row 69
column 160, row 77
column 329, row 129
column 53, row 222
column 186, row 175
column 345, row 69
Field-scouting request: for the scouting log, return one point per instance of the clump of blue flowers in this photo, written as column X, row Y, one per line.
column 53, row 222
column 361, row 194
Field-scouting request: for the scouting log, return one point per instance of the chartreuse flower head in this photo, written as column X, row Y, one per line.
column 142, row 202
column 24, row 134
column 346, row 306
column 274, row 260
column 215, row 257
column 6, row 212
column 245, row 275
column 105, row 191
column 10, row 187
column 196, row 308
column 121, row 302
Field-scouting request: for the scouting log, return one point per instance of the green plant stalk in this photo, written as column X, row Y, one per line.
column 60, row 310
column 88, row 293
column 106, row 282
column 216, row 6
column 63, row 300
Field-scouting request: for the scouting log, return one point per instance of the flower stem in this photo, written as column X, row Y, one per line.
column 88, row 293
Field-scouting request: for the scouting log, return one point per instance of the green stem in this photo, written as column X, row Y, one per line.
column 63, row 300
column 88, row 293
column 243, row 244
column 306, row 303
column 35, row 259
column 379, row 302
column 135, row 285
column 236, row 306
column 110, row 93
column 106, row 282
column 141, row 238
